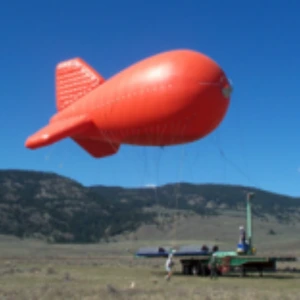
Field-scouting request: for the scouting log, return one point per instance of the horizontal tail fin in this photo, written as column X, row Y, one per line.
column 97, row 149
column 74, row 79
column 71, row 127
column 57, row 131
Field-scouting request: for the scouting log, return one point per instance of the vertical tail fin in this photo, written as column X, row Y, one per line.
column 74, row 79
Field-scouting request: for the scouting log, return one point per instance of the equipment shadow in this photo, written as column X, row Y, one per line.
column 274, row 276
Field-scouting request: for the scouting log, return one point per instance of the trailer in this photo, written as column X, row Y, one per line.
column 228, row 264
column 241, row 264
column 198, row 261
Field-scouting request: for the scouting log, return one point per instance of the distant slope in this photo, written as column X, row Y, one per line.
column 56, row 208
column 62, row 210
column 205, row 199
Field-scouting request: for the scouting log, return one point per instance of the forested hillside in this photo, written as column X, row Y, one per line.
column 58, row 209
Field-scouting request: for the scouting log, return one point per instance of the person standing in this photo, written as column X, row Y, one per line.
column 242, row 235
column 213, row 267
column 169, row 265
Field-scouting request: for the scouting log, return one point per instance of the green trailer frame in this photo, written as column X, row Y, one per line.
column 243, row 264
column 231, row 261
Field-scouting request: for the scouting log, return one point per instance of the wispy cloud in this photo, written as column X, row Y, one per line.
column 150, row 185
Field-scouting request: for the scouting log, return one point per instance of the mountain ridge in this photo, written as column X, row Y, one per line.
column 232, row 185
column 32, row 171
column 59, row 209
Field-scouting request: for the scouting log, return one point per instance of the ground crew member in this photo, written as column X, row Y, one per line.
column 213, row 267
column 169, row 266
column 242, row 235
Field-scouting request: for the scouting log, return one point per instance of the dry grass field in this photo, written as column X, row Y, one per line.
column 34, row 270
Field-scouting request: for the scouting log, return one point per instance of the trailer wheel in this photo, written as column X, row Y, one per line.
column 207, row 271
column 204, row 270
column 242, row 271
column 260, row 270
column 186, row 270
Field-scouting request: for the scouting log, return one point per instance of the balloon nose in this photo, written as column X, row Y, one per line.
column 227, row 91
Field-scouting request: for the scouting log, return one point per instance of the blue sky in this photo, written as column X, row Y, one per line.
column 257, row 43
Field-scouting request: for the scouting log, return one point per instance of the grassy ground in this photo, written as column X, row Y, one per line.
column 33, row 270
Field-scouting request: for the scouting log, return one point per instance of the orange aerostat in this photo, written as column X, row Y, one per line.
column 171, row 98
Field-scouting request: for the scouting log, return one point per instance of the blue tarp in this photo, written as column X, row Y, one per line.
column 182, row 251
column 154, row 252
